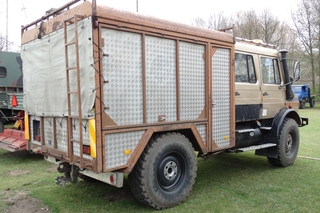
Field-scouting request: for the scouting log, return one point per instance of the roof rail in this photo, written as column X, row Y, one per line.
column 256, row 42
column 47, row 16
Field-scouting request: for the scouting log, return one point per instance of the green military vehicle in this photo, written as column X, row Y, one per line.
column 11, row 101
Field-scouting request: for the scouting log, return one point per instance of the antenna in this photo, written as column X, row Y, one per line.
column 7, row 32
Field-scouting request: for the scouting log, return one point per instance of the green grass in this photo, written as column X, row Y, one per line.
column 225, row 183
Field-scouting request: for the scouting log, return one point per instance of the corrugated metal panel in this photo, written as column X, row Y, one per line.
column 161, row 79
column 123, row 71
column 192, row 80
column 202, row 129
column 62, row 134
column 117, row 144
column 221, row 97
column 48, row 131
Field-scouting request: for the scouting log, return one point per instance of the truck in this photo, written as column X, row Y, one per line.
column 304, row 95
column 11, row 102
column 114, row 95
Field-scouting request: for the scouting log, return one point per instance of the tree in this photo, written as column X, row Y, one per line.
column 306, row 21
column 215, row 21
column 246, row 25
column 4, row 44
column 250, row 25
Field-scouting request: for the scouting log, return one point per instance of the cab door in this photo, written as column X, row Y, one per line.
column 273, row 95
column 247, row 87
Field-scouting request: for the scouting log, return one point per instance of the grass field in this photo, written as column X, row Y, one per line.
column 225, row 183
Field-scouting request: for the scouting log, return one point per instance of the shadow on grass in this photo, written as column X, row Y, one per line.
column 217, row 172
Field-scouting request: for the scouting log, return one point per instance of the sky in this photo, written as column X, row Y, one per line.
column 21, row 12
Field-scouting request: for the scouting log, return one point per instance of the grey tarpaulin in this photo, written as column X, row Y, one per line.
column 44, row 71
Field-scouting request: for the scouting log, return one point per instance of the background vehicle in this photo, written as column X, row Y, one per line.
column 304, row 96
column 11, row 102
column 139, row 95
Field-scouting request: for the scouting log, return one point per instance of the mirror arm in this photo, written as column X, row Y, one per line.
column 291, row 82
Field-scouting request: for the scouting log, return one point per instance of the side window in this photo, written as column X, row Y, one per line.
column 270, row 71
column 3, row 72
column 244, row 68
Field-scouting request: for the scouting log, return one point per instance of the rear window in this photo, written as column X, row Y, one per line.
column 3, row 72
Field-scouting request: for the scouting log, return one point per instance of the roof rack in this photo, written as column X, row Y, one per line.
column 256, row 42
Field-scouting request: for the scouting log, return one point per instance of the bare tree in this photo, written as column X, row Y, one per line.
column 246, row 24
column 306, row 22
column 269, row 27
column 215, row 21
column 4, row 43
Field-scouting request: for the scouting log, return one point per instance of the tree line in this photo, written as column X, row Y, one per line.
column 301, row 38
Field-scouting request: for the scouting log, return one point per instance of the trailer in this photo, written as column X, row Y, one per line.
column 11, row 102
column 110, row 93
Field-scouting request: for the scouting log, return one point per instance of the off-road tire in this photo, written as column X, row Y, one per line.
column 312, row 102
column 302, row 104
column 165, row 172
column 288, row 144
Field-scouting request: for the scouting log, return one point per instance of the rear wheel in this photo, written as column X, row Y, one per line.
column 312, row 102
column 288, row 144
column 302, row 104
column 165, row 172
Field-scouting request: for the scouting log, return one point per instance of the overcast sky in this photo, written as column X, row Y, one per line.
column 25, row 11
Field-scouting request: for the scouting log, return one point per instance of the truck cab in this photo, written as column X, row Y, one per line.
column 260, row 89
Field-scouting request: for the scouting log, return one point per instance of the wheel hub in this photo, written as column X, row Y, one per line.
column 170, row 170
column 289, row 143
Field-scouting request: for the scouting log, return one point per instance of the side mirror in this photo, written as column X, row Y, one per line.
column 296, row 71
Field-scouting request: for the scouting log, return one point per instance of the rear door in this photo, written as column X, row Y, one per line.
column 222, row 100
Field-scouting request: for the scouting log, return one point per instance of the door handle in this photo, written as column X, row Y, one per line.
column 265, row 94
column 237, row 94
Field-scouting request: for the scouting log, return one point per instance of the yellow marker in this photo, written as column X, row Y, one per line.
column 93, row 140
column 16, row 124
column 127, row 152
column 26, row 127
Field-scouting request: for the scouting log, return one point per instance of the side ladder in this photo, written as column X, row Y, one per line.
column 73, row 69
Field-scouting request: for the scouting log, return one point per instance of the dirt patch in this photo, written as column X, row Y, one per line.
column 20, row 201
column 52, row 169
column 18, row 172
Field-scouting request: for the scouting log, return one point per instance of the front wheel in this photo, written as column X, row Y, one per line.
column 288, row 144
column 302, row 104
column 165, row 172
column 312, row 102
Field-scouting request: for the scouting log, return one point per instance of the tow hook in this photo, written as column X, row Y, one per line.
column 71, row 173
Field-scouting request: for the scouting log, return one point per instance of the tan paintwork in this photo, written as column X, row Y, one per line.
column 271, row 96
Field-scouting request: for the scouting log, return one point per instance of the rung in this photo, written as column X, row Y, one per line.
column 71, row 43
column 71, row 68
column 73, row 116
column 72, row 93
column 74, row 141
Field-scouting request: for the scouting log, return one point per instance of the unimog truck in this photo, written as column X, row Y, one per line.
column 110, row 93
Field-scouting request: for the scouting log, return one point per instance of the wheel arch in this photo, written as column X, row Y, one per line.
column 187, row 130
column 277, row 122
column 281, row 115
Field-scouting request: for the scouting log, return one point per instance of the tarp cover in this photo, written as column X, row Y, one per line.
column 44, row 73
